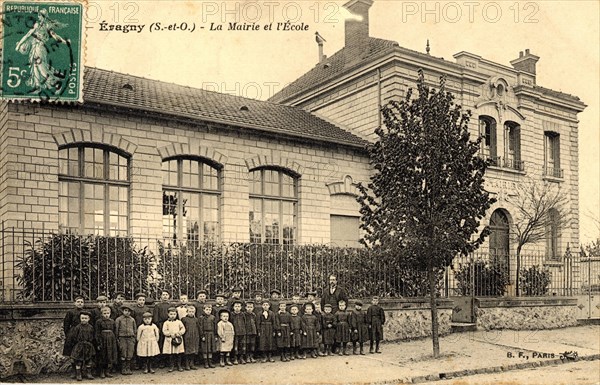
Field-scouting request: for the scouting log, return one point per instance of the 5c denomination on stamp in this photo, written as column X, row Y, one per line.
column 43, row 45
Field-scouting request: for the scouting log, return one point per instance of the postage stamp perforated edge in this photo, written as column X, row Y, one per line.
column 82, row 57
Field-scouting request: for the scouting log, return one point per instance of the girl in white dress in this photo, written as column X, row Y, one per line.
column 147, row 346
column 173, row 331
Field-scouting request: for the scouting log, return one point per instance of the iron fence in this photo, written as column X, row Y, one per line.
column 42, row 267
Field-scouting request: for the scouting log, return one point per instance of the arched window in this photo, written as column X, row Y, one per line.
column 553, row 235
column 499, row 238
column 191, row 195
column 93, row 190
column 273, row 206
column 487, row 129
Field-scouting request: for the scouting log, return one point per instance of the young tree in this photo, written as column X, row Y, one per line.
column 426, row 199
column 541, row 211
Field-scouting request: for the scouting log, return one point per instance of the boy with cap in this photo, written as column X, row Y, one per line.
column 236, row 295
column 126, row 330
column 160, row 315
column 274, row 301
column 115, row 307
column 238, row 319
column 282, row 329
column 139, row 308
column 201, row 300
column 359, row 327
column 101, row 302
column 71, row 320
column 375, row 322
column 220, row 303
column 251, row 331
column 147, row 345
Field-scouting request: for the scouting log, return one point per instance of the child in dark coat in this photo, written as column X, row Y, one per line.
column 375, row 321
column 191, row 338
column 238, row 319
column 342, row 327
column 360, row 328
column 83, row 352
column 71, row 320
column 126, row 331
column 266, row 324
column 312, row 331
column 328, row 329
column 251, row 331
column 297, row 332
column 208, row 330
column 282, row 328
column 106, row 340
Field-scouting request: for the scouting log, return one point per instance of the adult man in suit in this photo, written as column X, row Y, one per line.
column 332, row 294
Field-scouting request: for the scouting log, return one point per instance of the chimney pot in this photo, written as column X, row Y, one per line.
column 527, row 51
column 521, row 54
column 357, row 31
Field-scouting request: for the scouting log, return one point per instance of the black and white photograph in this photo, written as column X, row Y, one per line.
column 300, row 192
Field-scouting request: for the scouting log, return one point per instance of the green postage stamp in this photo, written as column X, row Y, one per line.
column 43, row 46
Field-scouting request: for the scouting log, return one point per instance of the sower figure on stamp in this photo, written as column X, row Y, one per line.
column 35, row 44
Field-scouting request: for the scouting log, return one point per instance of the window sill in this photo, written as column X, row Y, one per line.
column 507, row 170
column 554, row 179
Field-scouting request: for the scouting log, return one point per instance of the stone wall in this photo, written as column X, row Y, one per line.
column 526, row 314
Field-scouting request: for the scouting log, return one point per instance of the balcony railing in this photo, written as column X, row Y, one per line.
column 553, row 172
column 513, row 164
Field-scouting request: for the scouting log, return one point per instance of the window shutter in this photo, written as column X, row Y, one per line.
column 516, row 137
column 556, row 148
column 493, row 150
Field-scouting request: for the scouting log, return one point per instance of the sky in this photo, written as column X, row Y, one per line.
column 257, row 63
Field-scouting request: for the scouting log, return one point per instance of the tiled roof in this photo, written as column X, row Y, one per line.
column 341, row 62
column 122, row 90
column 557, row 94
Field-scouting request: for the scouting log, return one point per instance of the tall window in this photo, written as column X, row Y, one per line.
column 552, row 235
column 487, row 129
column 93, row 190
column 552, row 154
column 273, row 206
column 513, row 156
column 191, row 192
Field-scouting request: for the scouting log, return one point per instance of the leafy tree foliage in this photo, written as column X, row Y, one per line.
column 426, row 198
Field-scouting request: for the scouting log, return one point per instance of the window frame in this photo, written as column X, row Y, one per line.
column 280, row 199
column 179, row 235
column 82, row 180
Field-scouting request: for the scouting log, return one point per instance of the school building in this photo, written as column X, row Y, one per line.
column 147, row 158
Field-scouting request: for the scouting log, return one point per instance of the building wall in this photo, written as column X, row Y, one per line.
column 34, row 134
column 353, row 104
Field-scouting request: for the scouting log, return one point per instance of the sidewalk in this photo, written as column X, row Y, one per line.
column 462, row 355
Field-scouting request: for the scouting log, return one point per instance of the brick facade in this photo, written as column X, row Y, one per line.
column 34, row 134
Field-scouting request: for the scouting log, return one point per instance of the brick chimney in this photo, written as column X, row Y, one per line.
column 526, row 62
column 357, row 28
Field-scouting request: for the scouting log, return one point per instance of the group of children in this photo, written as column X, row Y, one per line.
column 238, row 330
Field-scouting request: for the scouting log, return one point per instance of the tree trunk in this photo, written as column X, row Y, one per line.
column 518, row 272
column 434, row 314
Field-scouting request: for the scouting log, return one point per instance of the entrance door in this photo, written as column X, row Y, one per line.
column 499, row 239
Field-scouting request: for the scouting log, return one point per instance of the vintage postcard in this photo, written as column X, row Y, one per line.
column 182, row 192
